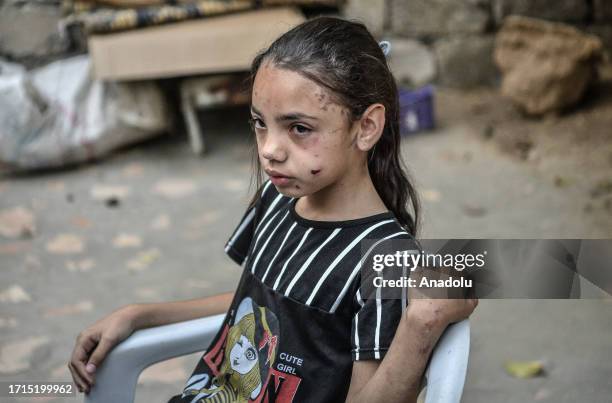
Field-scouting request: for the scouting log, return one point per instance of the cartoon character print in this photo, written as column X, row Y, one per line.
column 249, row 353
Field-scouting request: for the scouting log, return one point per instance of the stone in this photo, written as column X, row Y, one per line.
column 466, row 62
column 16, row 357
column 546, row 66
column 17, row 222
column 412, row 63
column 602, row 10
column 369, row 12
column 437, row 17
column 14, row 295
column 30, row 32
column 554, row 10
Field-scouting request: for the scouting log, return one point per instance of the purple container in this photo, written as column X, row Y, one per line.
column 416, row 110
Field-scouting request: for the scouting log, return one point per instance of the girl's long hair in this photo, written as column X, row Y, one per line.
column 344, row 57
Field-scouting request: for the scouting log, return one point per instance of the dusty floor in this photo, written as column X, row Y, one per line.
column 161, row 239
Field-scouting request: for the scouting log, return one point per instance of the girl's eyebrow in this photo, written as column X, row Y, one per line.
column 286, row 117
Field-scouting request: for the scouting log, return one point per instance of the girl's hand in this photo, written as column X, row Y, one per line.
column 94, row 343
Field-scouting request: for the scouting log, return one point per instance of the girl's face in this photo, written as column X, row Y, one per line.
column 304, row 140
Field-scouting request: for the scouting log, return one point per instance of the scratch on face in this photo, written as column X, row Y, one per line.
column 315, row 171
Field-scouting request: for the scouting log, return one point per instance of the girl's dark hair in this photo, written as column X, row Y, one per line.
column 344, row 57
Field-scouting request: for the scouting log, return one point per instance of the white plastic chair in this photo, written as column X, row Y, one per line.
column 117, row 376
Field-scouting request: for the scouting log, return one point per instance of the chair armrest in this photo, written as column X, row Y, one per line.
column 445, row 375
column 117, row 376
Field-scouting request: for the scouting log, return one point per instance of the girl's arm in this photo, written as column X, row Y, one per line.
column 94, row 343
column 397, row 378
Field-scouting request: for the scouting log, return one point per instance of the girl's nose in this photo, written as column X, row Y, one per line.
column 273, row 149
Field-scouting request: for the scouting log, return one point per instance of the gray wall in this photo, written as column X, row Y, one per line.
column 457, row 36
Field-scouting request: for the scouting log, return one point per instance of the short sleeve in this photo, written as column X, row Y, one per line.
column 237, row 246
column 374, row 326
column 377, row 313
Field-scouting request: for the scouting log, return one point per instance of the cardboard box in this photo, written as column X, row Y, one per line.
column 210, row 45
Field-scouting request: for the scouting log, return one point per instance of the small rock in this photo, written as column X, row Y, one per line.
column 17, row 356
column 14, row 294
column 175, row 188
column 65, row 244
column 73, row 309
column 127, row 241
column 17, row 222
column 107, row 192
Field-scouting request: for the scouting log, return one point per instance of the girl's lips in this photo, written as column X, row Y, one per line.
column 280, row 180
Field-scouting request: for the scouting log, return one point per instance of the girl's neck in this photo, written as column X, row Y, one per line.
column 347, row 199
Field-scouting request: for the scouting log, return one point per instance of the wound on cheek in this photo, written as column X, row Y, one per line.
column 315, row 171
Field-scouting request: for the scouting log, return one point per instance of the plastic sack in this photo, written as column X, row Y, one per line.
column 59, row 115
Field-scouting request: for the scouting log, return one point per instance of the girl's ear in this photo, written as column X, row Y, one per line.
column 371, row 125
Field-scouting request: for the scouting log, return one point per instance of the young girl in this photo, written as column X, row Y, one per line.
column 299, row 327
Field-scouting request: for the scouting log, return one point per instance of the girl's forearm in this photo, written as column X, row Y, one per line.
column 164, row 313
column 398, row 377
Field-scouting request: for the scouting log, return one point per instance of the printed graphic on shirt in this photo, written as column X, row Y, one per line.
column 242, row 362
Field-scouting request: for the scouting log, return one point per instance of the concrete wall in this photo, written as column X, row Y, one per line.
column 454, row 38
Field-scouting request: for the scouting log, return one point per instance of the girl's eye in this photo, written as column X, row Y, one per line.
column 301, row 130
column 256, row 123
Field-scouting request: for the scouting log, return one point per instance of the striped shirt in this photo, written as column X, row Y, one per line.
column 299, row 317
column 317, row 263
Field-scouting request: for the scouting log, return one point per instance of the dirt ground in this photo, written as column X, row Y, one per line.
column 571, row 149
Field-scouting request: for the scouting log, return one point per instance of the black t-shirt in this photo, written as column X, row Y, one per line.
column 298, row 319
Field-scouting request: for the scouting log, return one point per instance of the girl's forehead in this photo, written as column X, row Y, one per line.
column 277, row 91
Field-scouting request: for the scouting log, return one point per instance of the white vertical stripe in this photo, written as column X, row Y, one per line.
column 269, row 210
column 378, row 320
column 277, row 252
column 340, row 256
column 277, row 282
column 263, row 230
column 309, row 260
column 356, row 270
column 357, row 326
column 263, row 247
